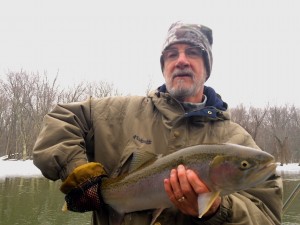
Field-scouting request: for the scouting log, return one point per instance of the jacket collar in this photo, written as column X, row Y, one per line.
column 214, row 109
column 213, row 99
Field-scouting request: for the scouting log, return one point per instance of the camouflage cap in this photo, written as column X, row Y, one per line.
column 193, row 34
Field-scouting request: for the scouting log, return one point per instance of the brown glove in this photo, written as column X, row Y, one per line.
column 82, row 187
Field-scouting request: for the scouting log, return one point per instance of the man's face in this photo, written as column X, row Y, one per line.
column 184, row 72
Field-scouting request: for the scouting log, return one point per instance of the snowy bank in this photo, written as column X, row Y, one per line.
column 13, row 168
column 288, row 168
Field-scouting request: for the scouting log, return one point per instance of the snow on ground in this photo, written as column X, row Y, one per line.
column 13, row 168
column 289, row 168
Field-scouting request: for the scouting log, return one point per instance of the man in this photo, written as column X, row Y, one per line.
column 182, row 112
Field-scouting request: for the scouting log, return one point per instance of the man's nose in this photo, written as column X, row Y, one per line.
column 182, row 61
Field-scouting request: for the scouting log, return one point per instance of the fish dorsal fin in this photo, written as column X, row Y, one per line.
column 141, row 158
column 205, row 201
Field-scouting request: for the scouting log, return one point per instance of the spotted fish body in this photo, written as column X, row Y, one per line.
column 224, row 168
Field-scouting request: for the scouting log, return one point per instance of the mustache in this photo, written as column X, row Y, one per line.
column 184, row 72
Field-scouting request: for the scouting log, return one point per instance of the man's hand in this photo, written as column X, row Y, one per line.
column 82, row 188
column 183, row 188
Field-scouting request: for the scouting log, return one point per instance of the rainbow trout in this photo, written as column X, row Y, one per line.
column 224, row 168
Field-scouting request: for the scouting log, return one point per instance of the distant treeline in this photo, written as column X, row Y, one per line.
column 25, row 98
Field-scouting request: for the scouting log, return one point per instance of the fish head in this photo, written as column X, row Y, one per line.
column 241, row 169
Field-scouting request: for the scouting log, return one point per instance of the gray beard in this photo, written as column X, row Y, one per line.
column 182, row 93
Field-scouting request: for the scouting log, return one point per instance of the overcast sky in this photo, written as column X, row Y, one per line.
column 256, row 43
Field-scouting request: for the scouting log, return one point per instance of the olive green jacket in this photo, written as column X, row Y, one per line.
column 156, row 123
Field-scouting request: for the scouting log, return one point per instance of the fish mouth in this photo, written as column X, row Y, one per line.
column 269, row 167
column 265, row 172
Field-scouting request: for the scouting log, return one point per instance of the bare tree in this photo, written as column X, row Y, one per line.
column 18, row 94
column 102, row 89
column 250, row 119
column 278, row 121
column 44, row 98
column 257, row 117
column 27, row 99
column 294, row 133
column 75, row 93
column 4, row 120
column 240, row 115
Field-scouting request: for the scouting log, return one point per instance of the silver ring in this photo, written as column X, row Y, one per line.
column 181, row 199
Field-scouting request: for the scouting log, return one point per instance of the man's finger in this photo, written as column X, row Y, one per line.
column 197, row 185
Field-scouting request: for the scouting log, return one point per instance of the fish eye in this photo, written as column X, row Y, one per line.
column 245, row 165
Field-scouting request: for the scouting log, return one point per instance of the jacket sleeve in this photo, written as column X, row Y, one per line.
column 60, row 146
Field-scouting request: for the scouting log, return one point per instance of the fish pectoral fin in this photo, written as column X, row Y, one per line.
column 156, row 214
column 205, row 201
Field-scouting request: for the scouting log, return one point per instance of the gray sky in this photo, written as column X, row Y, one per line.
column 256, row 49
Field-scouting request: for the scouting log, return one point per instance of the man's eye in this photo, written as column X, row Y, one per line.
column 171, row 54
column 193, row 52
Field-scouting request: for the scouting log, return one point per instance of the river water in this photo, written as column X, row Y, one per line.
column 38, row 201
column 292, row 214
